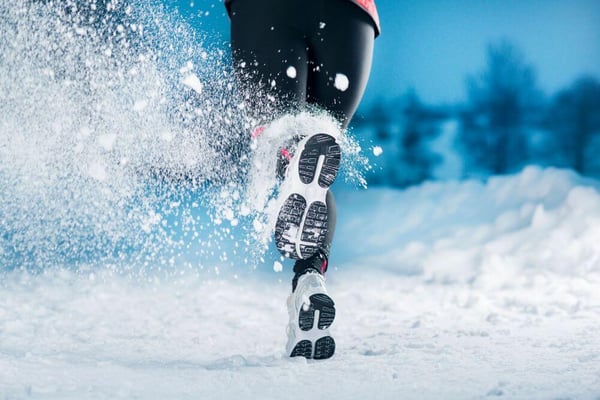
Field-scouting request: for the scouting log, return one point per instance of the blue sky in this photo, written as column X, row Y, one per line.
column 431, row 45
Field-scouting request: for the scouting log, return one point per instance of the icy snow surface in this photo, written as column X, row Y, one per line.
column 448, row 290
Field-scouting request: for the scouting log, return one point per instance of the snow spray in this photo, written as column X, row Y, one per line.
column 125, row 144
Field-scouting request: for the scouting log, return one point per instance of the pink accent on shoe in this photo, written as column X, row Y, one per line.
column 324, row 266
column 257, row 131
column 286, row 154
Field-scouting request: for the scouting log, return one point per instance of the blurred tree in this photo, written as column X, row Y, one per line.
column 502, row 97
column 380, row 117
column 404, row 130
column 574, row 118
column 376, row 126
column 421, row 125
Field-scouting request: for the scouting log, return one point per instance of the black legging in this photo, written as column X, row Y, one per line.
column 320, row 39
column 304, row 52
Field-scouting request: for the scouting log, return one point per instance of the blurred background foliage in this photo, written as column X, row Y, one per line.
column 507, row 122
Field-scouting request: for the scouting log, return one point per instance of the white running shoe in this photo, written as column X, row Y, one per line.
column 311, row 312
column 301, row 226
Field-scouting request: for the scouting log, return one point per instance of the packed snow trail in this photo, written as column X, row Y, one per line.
column 479, row 302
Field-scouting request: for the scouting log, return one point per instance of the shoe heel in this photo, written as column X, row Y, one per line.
column 324, row 348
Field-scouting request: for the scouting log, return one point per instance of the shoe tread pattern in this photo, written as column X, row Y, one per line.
column 324, row 305
column 302, row 349
column 325, row 145
column 313, row 231
column 324, row 348
column 319, row 315
column 290, row 215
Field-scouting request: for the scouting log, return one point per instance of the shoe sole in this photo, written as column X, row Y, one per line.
column 301, row 226
column 314, row 322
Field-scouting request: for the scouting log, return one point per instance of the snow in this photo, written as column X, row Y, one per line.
column 341, row 82
column 277, row 266
column 193, row 83
column 107, row 141
column 448, row 290
column 140, row 105
column 97, row 171
column 291, row 72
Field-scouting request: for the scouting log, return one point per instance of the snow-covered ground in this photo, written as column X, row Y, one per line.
column 457, row 290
